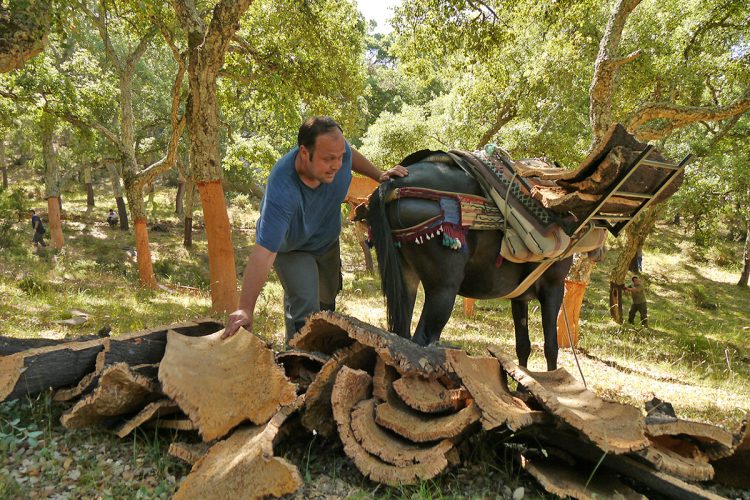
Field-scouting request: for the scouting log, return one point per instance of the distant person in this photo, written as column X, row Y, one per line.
column 112, row 218
column 639, row 302
column 38, row 227
column 636, row 264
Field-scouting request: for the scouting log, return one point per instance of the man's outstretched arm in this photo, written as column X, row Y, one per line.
column 363, row 166
column 256, row 273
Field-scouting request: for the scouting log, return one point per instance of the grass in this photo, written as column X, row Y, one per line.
column 695, row 355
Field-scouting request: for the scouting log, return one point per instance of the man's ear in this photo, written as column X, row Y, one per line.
column 305, row 153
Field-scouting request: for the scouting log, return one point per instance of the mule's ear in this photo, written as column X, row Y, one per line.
column 361, row 212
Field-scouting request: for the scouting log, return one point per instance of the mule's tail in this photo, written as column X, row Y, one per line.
column 389, row 266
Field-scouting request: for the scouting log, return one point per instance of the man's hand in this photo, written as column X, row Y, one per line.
column 239, row 318
column 397, row 171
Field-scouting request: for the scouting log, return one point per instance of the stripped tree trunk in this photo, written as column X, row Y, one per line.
column 52, row 181
column 743, row 282
column 122, row 211
column 207, row 45
column 89, row 189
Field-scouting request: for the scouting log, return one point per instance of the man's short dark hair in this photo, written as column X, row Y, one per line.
column 312, row 128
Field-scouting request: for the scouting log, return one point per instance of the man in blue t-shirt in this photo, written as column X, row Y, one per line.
column 300, row 222
column 36, row 223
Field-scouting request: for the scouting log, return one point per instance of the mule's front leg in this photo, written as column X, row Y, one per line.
column 438, row 306
column 551, row 301
column 520, row 309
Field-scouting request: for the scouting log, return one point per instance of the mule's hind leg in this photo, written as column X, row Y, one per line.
column 411, row 282
column 438, row 306
column 520, row 309
column 551, row 300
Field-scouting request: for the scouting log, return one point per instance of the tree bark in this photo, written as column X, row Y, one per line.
column 122, row 211
column 52, row 182
column 3, row 165
column 90, row 204
column 179, row 208
column 207, row 46
column 24, row 26
column 190, row 193
column 143, row 252
column 745, row 276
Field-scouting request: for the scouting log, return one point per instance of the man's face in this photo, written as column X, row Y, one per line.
column 636, row 281
column 327, row 156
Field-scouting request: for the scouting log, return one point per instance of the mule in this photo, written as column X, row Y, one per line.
column 445, row 273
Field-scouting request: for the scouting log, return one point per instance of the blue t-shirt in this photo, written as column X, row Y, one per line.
column 293, row 216
column 37, row 228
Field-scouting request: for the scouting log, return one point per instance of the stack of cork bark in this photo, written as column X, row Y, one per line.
column 400, row 410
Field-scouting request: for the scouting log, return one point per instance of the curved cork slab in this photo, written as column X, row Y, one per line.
column 327, row 331
column 614, row 427
column 318, row 415
column 216, row 382
column 120, row 391
column 188, row 452
column 489, row 388
column 151, row 411
column 387, row 446
column 301, row 367
column 713, row 441
column 383, row 379
column 424, row 427
column 732, row 470
column 430, row 396
column 677, row 464
column 351, row 387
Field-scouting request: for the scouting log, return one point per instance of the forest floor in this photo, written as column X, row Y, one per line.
column 696, row 353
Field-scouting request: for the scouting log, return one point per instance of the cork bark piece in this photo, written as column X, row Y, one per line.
column 156, row 409
column 318, row 414
column 387, row 446
column 430, row 396
column 301, row 367
column 489, row 389
column 714, row 441
column 188, row 452
column 383, row 379
column 323, row 328
column 424, row 427
column 733, row 470
column 667, row 460
column 181, row 423
column 566, row 481
column 614, row 427
column 351, row 387
column 120, row 391
column 221, row 383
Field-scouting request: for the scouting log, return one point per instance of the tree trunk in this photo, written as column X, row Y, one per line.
column 179, row 198
column 221, row 266
column 635, row 237
column 25, row 26
column 188, row 215
column 743, row 282
column 122, row 211
column 3, row 165
column 89, row 188
column 138, row 212
column 52, row 183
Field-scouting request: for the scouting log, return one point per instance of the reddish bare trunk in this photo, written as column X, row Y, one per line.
column 145, row 268
column 55, row 226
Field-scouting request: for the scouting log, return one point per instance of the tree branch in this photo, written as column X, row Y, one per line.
column 224, row 24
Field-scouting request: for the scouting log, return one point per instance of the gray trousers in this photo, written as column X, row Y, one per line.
column 642, row 309
column 311, row 283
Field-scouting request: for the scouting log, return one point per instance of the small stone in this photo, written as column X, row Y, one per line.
column 74, row 474
column 507, row 492
column 518, row 493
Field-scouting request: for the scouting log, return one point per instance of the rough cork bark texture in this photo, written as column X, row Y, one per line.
column 188, row 452
column 383, row 379
column 182, row 423
column 429, row 396
column 120, row 391
column 301, row 367
column 733, row 470
column 351, row 387
column 713, row 441
column 388, row 446
column 318, row 415
column 326, row 330
column 565, row 481
column 209, row 378
column 424, row 427
column 489, row 389
column 685, row 467
column 614, row 427
column 151, row 411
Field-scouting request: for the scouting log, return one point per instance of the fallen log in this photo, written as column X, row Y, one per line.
column 615, row 427
column 120, row 391
column 212, row 380
column 351, row 387
column 318, row 414
column 489, row 389
column 154, row 410
column 243, row 465
column 327, row 331
column 36, row 370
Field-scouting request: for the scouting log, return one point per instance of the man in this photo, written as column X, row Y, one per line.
column 112, row 218
column 639, row 302
column 299, row 225
column 36, row 223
